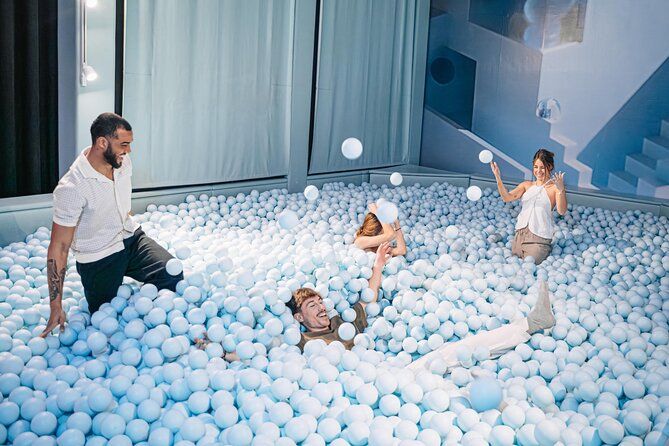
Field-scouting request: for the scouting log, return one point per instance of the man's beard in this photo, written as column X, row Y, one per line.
column 111, row 158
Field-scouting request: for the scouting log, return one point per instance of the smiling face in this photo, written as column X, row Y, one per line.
column 541, row 171
column 312, row 313
column 116, row 147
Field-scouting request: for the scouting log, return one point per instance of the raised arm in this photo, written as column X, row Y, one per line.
column 560, row 193
column 56, row 266
column 383, row 254
column 366, row 242
column 507, row 196
column 401, row 248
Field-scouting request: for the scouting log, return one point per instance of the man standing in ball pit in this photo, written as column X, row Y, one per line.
column 91, row 215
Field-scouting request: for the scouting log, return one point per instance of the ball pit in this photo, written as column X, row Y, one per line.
column 132, row 374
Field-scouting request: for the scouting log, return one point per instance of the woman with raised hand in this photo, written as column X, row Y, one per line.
column 373, row 233
column 534, row 227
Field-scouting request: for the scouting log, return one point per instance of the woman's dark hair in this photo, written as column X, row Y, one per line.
column 370, row 227
column 546, row 157
column 106, row 125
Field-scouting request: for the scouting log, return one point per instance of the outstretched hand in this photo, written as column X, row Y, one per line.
column 372, row 207
column 56, row 318
column 495, row 169
column 558, row 179
column 383, row 254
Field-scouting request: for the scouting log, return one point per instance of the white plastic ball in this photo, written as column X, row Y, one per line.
column 351, row 148
column 485, row 156
column 474, row 193
column 396, row 178
column 311, row 192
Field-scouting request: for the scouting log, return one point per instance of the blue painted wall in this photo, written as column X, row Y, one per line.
column 610, row 103
column 506, row 90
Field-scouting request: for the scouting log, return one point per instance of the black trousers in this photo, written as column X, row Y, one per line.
column 142, row 259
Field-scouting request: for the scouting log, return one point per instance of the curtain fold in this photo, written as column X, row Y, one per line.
column 207, row 89
column 28, row 97
column 366, row 66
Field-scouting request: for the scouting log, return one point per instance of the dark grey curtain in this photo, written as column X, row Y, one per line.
column 28, row 97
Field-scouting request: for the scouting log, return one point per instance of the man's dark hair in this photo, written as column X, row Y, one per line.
column 106, row 126
column 298, row 297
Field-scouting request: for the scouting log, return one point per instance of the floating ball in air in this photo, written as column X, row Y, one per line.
column 396, row 179
column 311, row 192
column 474, row 193
column 485, row 156
column 485, row 394
column 386, row 212
column 288, row 219
column 351, row 148
column 549, row 110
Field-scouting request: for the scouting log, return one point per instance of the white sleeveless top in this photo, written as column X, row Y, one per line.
column 536, row 213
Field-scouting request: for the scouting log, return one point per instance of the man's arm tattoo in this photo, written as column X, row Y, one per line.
column 55, row 279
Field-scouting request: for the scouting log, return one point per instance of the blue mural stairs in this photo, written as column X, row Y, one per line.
column 646, row 172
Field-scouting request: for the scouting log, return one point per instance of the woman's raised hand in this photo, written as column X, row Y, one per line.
column 558, row 179
column 372, row 207
column 495, row 169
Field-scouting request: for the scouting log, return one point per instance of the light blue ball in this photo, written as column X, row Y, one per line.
column 199, row 402
column 226, row 416
column 297, row 429
column 173, row 419
column 31, row 407
column 485, row 394
column 611, row 431
column 24, row 439
column 173, row 267
column 239, row 435
column 329, row 429
column 9, row 413
column 637, row 423
column 44, row 423
column 80, row 421
column 70, row 437
column 148, row 410
column 112, row 426
column 171, row 348
column 100, row 399
column 192, row 429
column 160, row 436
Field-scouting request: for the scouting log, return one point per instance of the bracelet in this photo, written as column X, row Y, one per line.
column 398, row 228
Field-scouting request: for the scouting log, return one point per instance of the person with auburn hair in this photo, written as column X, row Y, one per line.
column 373, row 233
column 534, row 227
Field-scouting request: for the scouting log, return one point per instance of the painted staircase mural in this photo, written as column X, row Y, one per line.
column 646, row 172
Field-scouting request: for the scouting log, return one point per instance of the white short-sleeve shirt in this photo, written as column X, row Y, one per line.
column 97, row 206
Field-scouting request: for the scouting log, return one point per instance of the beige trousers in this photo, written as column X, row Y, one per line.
column 525, row 243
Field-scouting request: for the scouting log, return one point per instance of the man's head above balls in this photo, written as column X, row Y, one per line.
column 308, row 309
